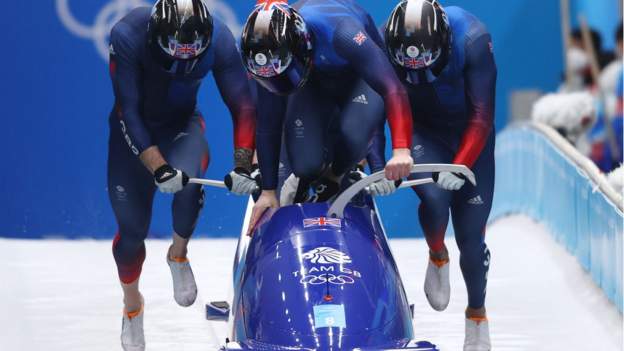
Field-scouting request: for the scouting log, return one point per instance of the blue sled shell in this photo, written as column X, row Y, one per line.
column 314, row 283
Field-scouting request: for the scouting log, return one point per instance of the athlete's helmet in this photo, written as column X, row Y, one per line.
column 418, row 39
column 181, row 29
column 276, row 47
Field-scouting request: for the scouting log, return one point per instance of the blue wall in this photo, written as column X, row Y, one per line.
column 536, row 179
column 56, row 96
column 602, row 15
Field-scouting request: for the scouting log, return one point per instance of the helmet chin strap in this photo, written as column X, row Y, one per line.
column 420, row 77
column 170, row 64
column 184, row 67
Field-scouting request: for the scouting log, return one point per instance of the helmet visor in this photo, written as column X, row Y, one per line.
column 182, row 51
column 418, row 65
column 280, row 76
column 413, row 58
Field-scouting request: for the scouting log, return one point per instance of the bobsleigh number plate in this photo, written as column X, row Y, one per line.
column 329, row 316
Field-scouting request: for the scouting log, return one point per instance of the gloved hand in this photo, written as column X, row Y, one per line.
column 241, row 182
column 383, row 187
column 170, row 180
column 449, row 181
column 289, row 191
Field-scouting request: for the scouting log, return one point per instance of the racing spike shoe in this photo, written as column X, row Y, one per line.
column 477, row 335
column 437, row 285
column 325, row 190
column 184, row 287
column 132, row 336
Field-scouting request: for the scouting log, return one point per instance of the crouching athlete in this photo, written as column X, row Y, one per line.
column 158, row 58
column 319, row 63
column 445, row 59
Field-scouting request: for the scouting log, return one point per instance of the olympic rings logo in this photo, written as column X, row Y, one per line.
column 115, row 10
column 327, row 278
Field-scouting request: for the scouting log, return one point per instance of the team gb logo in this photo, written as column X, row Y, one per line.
column 326, row 255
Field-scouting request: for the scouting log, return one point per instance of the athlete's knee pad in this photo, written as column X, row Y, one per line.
column 186, row 207
column 475, row 252
column 434, row 221
column 129, row 254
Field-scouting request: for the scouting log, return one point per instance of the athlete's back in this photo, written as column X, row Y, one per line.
column 329, row 21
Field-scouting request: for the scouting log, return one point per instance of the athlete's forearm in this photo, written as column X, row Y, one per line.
column 370, row 61
column 399, row 115
column 244, row 120
column 473, row 141
column 243, row 158
column 480, row 82
column 152, row 158
column 233, row 85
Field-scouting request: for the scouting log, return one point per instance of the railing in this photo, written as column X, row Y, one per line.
column 538, row 173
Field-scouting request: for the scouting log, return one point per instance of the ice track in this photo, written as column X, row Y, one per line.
column 63, row 295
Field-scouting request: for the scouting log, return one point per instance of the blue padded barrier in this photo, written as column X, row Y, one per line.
column 539, row 174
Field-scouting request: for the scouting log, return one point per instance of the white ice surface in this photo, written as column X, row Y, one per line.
column 63, row 295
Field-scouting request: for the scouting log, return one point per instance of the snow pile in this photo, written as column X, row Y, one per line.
column 616, row 179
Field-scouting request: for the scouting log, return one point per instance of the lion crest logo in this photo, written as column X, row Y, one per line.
column 326, row 255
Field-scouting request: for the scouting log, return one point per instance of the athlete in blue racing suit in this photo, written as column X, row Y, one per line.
column 451, row 89
column 317, row 83
column 157, row 134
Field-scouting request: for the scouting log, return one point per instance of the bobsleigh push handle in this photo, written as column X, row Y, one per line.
column 208, row 182
column 337, row 208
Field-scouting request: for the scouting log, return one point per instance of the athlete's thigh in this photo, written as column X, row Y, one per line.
column 472, row 204
column 308, row 115
column 362, row 112
column 284, row 169
column 428, row 147
column 188, row 151
column 130, row 186
column 187, row 148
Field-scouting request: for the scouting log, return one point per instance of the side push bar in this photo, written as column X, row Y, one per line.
column 337, row 208
column 208, row 182
column 214, row 183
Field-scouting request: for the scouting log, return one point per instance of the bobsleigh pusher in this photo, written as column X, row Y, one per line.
column 321, row 277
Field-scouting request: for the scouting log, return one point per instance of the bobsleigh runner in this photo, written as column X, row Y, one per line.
column 321, row 277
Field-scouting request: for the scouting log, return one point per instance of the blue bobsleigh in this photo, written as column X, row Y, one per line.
column 315, row 277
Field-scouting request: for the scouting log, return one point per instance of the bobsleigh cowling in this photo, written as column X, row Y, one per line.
column 319, row 278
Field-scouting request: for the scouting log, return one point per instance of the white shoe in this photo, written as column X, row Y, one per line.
column 477, row 335
column 184, row 287
column 437, row 285
column 132, row 336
